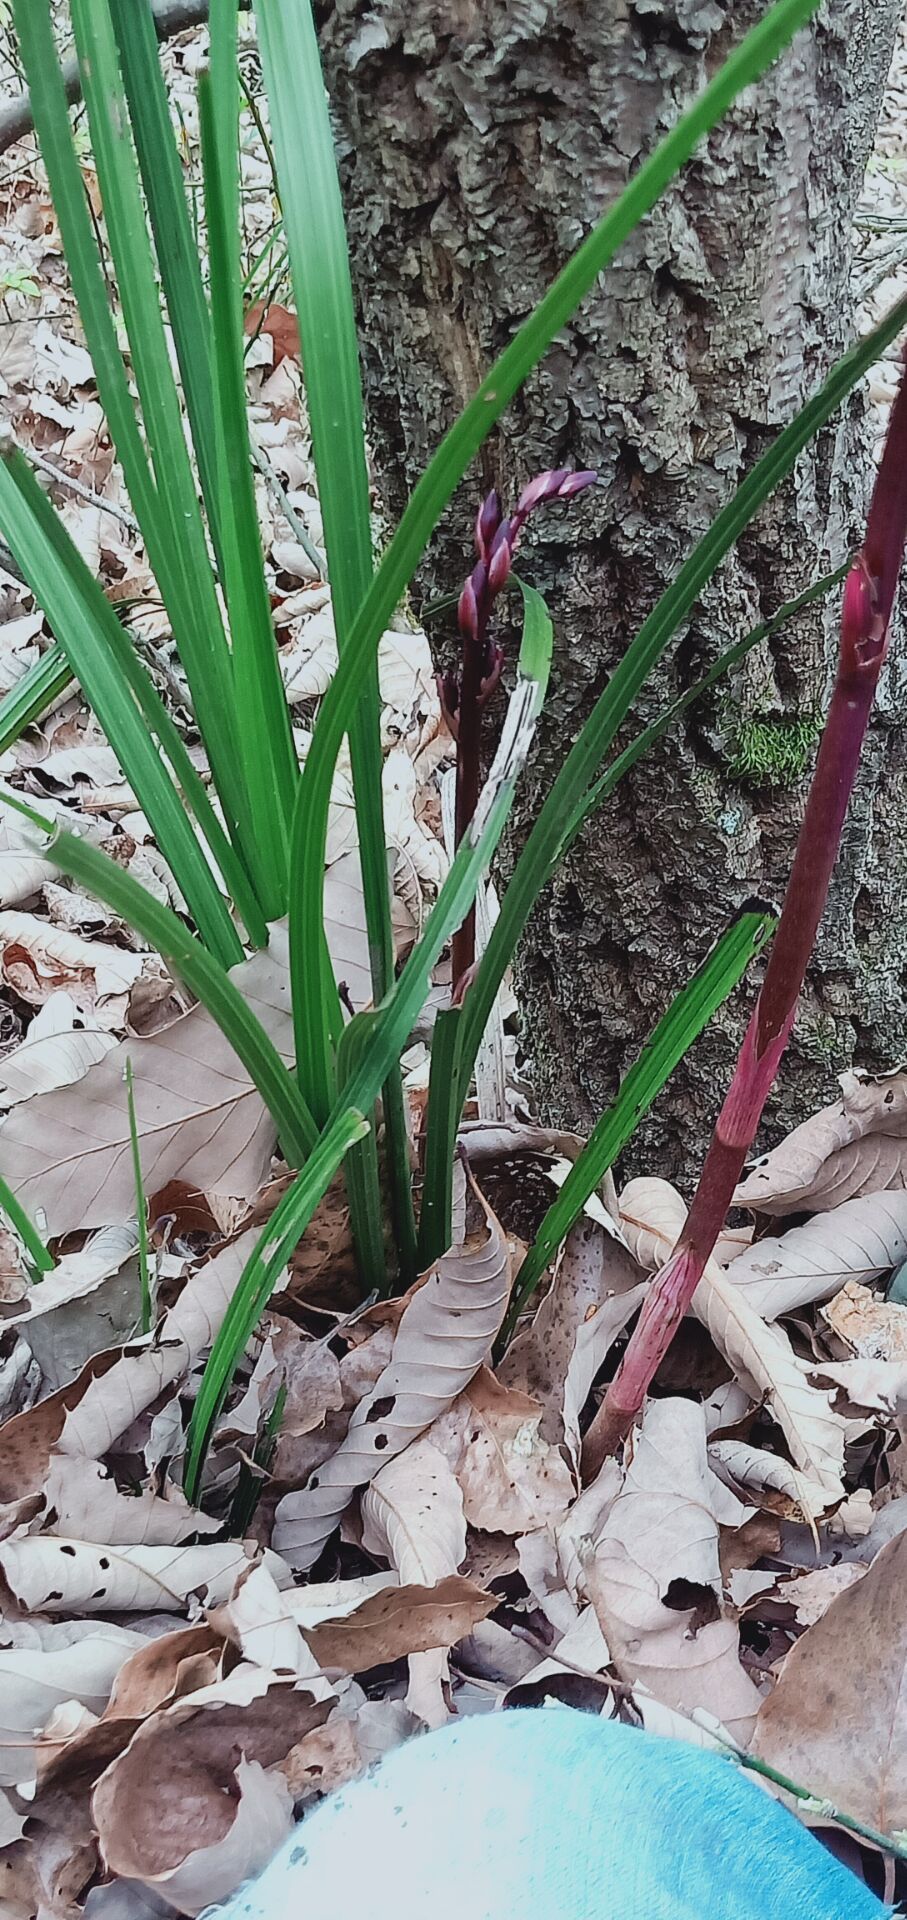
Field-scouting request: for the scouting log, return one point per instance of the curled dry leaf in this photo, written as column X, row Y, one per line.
column 267, row 1635
column 761, row 1356
column 659, row 1542
column 445, row 1333
column 764, row 1479
column 36, row 1681
column 856, row 1146
column 49, row 1575
column 171, row 1797
column 511, row 1479
column 859, row 1241
column 837, row 1719
column 597, row 1287
column 37, row 960
column 104, row 1404
column 413, row 1514
column 811, row 1594
column 872, row 1329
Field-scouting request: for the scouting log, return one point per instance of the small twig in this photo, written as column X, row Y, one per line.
column 170, row 17
column 275, row 485
column 82, row 492
column 811, row 1802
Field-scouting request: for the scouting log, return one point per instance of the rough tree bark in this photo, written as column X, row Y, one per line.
column 479, row 144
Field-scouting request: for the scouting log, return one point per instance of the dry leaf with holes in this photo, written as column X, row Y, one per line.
column 445, row 1334
column 879, row 1385
column 83, row 1502
column 859, row 1241
column 597, row 1287
column 413, row 1514
column 653, row 1215
column 872, row 1329
column 837, row 1719
column 659, row 1543
column 856, row 1146
column 49, row 1575
column 511, row 1478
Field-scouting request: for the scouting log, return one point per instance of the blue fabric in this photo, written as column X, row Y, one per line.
column 549, row 1814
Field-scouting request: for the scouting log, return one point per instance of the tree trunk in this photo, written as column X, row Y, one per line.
column 480, row 144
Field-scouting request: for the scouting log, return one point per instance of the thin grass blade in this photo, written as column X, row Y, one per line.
column 33, row 695
column 285, row 1229
column 441, row 1136
column 28, row 1233
column 122, row 696
column 684, row 1021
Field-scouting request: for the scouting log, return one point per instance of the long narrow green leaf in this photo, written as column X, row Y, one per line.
column 316, row 236
column 362, row 1174
column 440, row 1141
column 744, row 65
column 33, row 694
column 262, row 716
column 31, row 1239
column 534, row 865
column 607, row 781
column 208, row 980
column 684, row 1021
column 141, row 1204
column 175, row 244
column 196, row 620
column 390, row 1026
column 121, row 694
column 284, row 1230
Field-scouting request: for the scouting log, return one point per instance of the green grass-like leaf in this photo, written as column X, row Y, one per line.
column 284, row 1230
column 31, row 1239
column 685, row 1019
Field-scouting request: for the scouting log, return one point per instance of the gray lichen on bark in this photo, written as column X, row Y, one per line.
column 479, row 145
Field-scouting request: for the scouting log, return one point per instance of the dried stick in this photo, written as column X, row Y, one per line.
column 868, row 600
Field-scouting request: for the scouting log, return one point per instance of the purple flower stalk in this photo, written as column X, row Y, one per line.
column 465, row 696
column 866, row 616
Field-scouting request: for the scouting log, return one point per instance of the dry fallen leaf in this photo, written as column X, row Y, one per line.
column 413, row 1514
column 399, row 1621
column 34, row 1682
column 836, row 1722
column 872, row 1329
column 596, row 1289
column 512, row 1480
column 659, row 1544
column 761, row 1356
column 49, row 1575
column 856, row 1146
column 445, row 1333
column 860, row 1241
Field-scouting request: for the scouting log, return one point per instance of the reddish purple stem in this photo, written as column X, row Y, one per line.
column 866, row 616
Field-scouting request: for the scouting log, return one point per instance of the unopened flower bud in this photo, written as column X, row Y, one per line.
column 500, row 562
column 576, row 483
column 488, row 520
column 468, row 611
